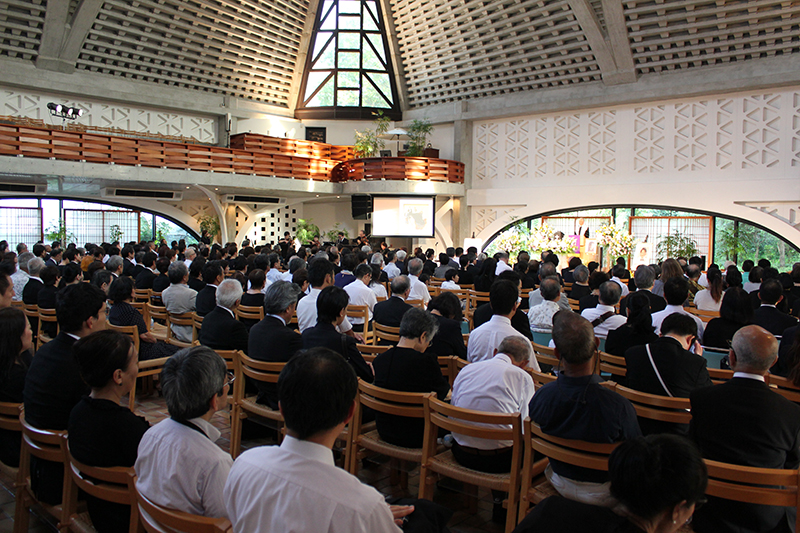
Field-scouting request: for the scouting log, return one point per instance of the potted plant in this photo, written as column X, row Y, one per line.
column 306, row 230
column 207, row 223
column 334, row 233
column 418, row 133
column 369, row 142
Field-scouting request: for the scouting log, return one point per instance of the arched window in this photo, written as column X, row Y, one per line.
column 348, row 70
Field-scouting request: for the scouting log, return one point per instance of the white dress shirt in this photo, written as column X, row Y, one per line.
column 419, row 291
column 485, row 339
column 659, row 317
column 180, row 298
column 273, row 275
column 360, row 294
column 705, row 302
column 296, row 487
column 450, row 285
column 181, row 468
column 622, row 286
column 379, row 289
column 541, row 316
column 391, row 270
column 307, row 313
column 502, row 266
column 612, row 322
column 496, row 386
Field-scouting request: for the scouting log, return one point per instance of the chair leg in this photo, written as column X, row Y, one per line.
column 471, row 493
column 21, row 513
column 394, row 477
column 511, row 516
column 427, row 483
column 404, row 474
column 236, row 431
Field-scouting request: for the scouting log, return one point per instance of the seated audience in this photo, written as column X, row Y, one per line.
column 30, row 294
column 637, row 331
column 254, row 297
column 46, row 298
column 53, row 384
column 346, row 276
column 296, row 486
column 604, row 317
column 743, row 422
column 644, row 277
column 541, row 316
column 485, row 275
column 580, row 285
column 444, row 266
column 789, row 356
column 179, row 298
column 390, row 268
column 485, row 339
column 376, row 284
column 179, row 464
column 465, row 276
column 196, row 282
column 753, row 279
column 419, row 290
column 115, row 265
column 20, row 277
column 145, row 278
column 451, row 278
column 675, row 291
column 658, row 480
column 16, row 343
column 102, row 432
column 102, row 280
column 710, row 299
column 768, row 316
column 591, row 300
column 360, row 293
column 547, row 270
column 221, row 330
column 213, row 275
column 617, row 274
column 669, row 269
column 331, row 309
column 446, row 308
column 519, row 320
column 406, row 367
column 735, row 312
column 693, row 273
column 576, row 406
column 162, row 281
column 390, row 312
column 667, row 367
column 122, row 313
column 320, row 276
column 272, row 339
column 568, row 274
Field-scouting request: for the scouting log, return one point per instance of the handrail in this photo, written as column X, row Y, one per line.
column 399, row 168
column 253, row 142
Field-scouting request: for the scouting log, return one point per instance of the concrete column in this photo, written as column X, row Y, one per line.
column 462, row 151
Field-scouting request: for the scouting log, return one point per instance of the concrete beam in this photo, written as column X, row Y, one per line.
column 302, row 56
column 618, row 40
column 740, row 76
column 62, row 40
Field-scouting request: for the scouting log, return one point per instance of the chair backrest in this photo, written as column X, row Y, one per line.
column 254, row 369
column 472, row 423
column 181, row 319
column 720, row 375
column 42, row 443
column 109, row 484
column 389, row 333
column 408, row 404
column 475, row 299
column 148, row 367
column 545, row 354
column 155, row 298
column 612, row 364
column 360, row 312
column 45, row 315
column 248, row 312
column 19, row 304
column 655, row 407
column 575, row 305
column 197, row 323
column 372, row 349
column 9, row 416
column 447, row 366
column 159, row 519
column 785, row 388
column 143, row 295
column 575, row 452
column 416, row 303
column 540, row 378
column 130, row 331
column 702, row 314
column 229, row 356
column 157, row 312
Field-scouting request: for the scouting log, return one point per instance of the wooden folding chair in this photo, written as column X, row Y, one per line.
column 18, row 304
column 658, row 408
column 158, row 315
column 575, row 452
column 45, row 316
column 416, row 303
column 458, row 365
column 462, row 294
column 575, row 305
column 476, row 424
column 248, row 312
column 447, row 366
column 150, row 367
column 243, row 407
column 475, row 299
column 32, row 312
column 158, row 519
column 43, row 444
column 613, row 365
column 785, row 388
column 130, row 331
column 703, row 315
column 360, row 312
column 388, row 333
column 525, row 295
column 408, row 404
column 545, row 356
column 719, row 375
column 182, row 319
column 540, row 378
column 155, row 298
column 229, row 356
column 107, row 484
column 143, row 295
column 371, row 349
column 9, row 421
column 197, row 325
column 748, row 484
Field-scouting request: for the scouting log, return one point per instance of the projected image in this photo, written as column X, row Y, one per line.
column 415, row 215
column 402, row 216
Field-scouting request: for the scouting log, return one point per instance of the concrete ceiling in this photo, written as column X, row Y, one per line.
column 448, row 50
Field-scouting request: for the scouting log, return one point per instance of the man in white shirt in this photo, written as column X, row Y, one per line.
column 604, row 317
column 273, row 274
column 541, row 316
column 179, row 465
column 296, row 486
column 616, row 272
column 502, row 263
column 320, row 275
column 190, row 255
column 486, row 338
column 179, row 298
column 419, row 291
column 391, row 268
column 360, row 293
column 675, row 292
column 295, row 264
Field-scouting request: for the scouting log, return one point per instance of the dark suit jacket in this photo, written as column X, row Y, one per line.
column 619, row 340
column 220, row 331
column 145, row 279
column 579, row 291
column 743, row 422
column 325, row 335
column 784, row 364
column 160, row 283
column 465, row 277
column 127, row 267
column 197, row 284
column 448, row 340
column 589, row 301
column 270, row 340
column 773, row 320
column 519, row 321
column 390, row 312
column 657, row 303
column 138, row 269
column 30, row 293
column 206, row 300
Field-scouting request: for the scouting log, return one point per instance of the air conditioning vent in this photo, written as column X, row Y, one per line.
column 138, row 193
column 23, row 188
column 244, row 199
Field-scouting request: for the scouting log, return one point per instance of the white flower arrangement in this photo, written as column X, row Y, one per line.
column 616, row 241
column 534, row 241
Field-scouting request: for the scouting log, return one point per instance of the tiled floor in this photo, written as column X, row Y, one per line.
column 374, row 472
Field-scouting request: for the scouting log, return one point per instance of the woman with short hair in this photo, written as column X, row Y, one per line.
column 638, row 330
column 735, row 312
column 16, row 342
column 446, row 309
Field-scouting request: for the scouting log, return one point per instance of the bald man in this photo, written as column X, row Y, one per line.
column 743, row 422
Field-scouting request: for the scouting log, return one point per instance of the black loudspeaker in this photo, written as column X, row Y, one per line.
column 368, row 229
column 361, row 205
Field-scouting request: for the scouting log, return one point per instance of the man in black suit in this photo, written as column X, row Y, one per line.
column 53, row 385
column 644, row 277
column 139, row 268
column 162, row 281
column 127, row 263
column 30, row 293
column 55, row 257
column 213, row 275
column 272, row 339
column 465, row 276
column 391, row 311
column 680, row 370
column 743, row 422
column 148, row 274
column 221, row 330
column 768, row 316
column 519, row 321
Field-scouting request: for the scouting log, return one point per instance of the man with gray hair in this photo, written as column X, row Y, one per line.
column 221, row 330
column 547, row 270
column 114, row 265
column 419, row 291
column 190, row 254
column 30, row 294
column 580, row 285
column 179, row 298
column 541, row 316
column 179, row 466
column 502, row 263
column 743, row 422
column 391, row 311
column 272, row 339
column 645, row 277
column 604, row 317
column 20, row 277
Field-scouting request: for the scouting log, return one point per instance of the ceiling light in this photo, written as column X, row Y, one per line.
column 64, row 111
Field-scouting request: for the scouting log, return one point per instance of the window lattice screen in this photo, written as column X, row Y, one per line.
column 570, row 225
column 89, row 225
column 700, row 229
column 20, row 224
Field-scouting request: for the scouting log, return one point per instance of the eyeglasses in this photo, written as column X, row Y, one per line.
column 229, row 379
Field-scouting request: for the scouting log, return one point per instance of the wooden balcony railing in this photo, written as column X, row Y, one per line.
column 253, row 142
column 48, row 143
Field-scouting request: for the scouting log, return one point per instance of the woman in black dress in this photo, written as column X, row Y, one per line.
column 637, row 331
column 446, row 308
column 16, row 342
column 486, row 275
column 101, row 431
column 122, row 313
column 46, row 298
column 735, row 312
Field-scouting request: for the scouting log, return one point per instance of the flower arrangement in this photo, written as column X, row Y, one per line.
column 615, row 241
column 534, row 241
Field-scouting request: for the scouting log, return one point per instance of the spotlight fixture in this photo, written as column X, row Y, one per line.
column 64, row 111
